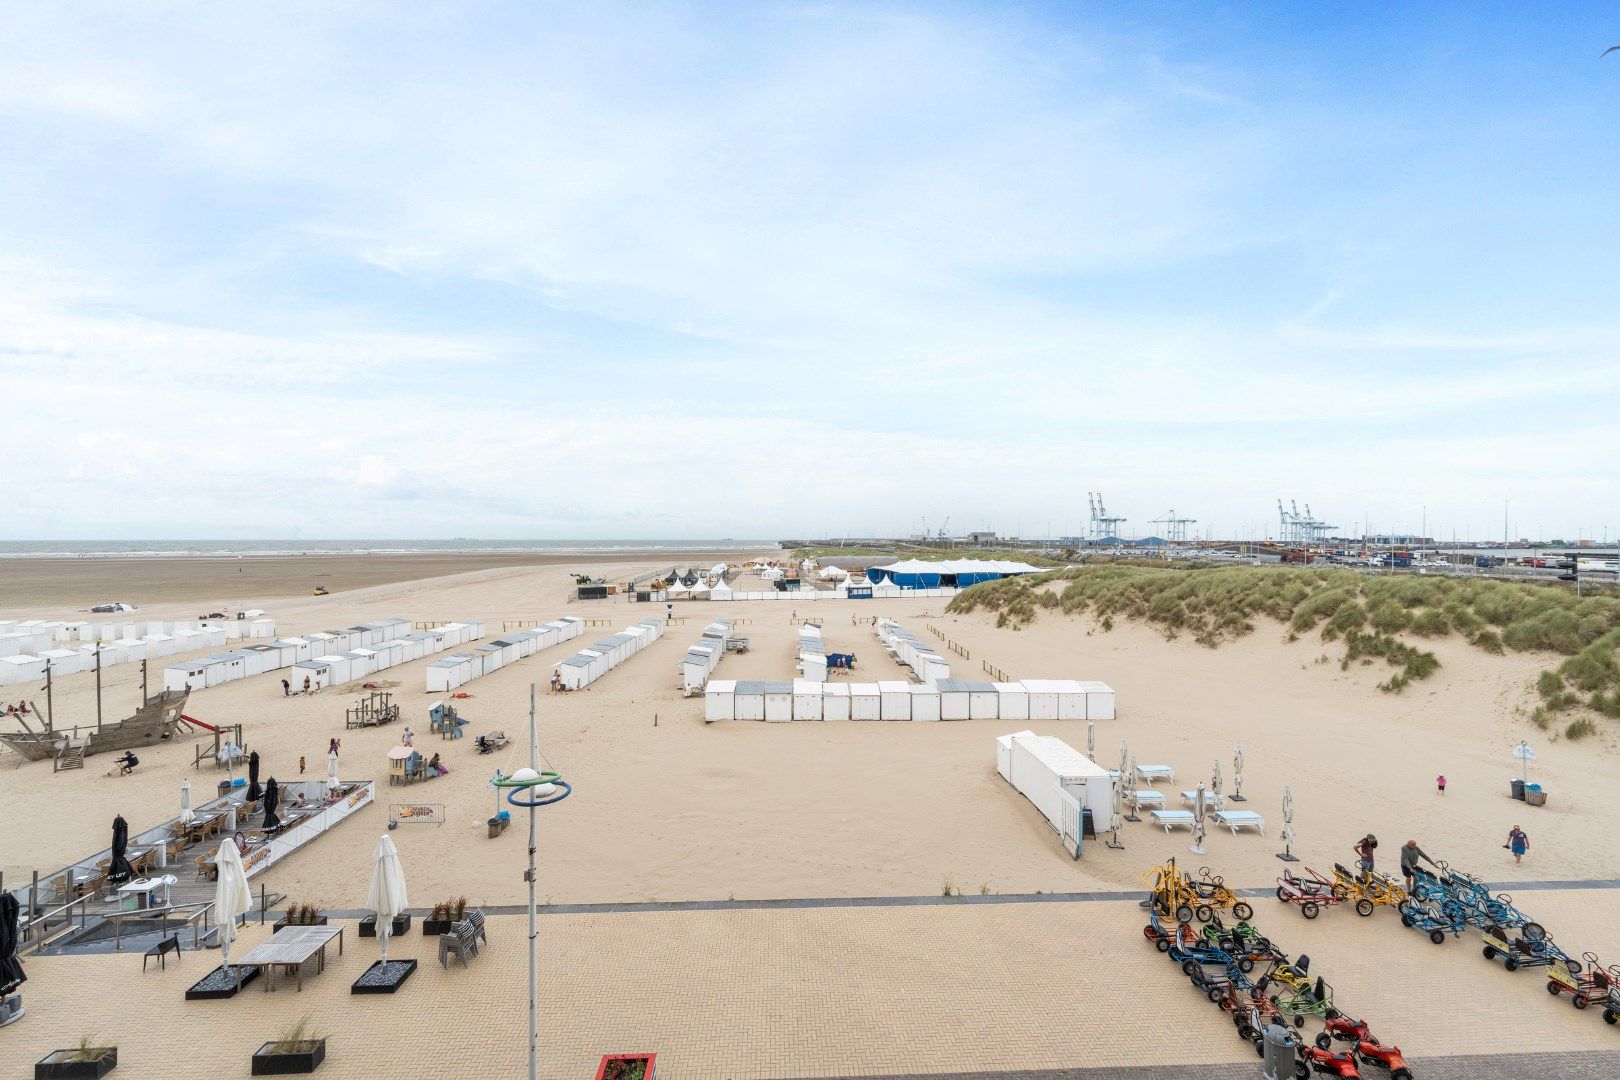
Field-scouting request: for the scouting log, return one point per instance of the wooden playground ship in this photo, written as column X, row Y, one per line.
column 162, row 718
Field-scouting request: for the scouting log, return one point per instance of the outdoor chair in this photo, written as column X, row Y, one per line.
column 461, row 940
column 201, row 863
column 161, row 950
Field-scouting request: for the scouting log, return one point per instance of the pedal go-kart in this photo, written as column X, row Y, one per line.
column 1313, row 1000
column 1611, row 1009
column 1314, row 1059
column 1214, row 896
column 1169, row 893
column 1435, row 919
column 1155, row 932
column 1594, row 986
column 1368, row 1050
column 1377, row 890
column 1310, row 892
column 1529, row 948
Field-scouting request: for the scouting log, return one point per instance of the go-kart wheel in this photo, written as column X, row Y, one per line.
column 1262, row 944
column 1578, row 1001
column 1245, row 964
column 1611, row 1017
column 1553, row 988
column 1204, row 912
column 1309, row 909
column 1302, row 1071
column 1299, row 1020
column 1184, row 913
column 1332, row 1014
column 1364, row 908
column 1574, row 966
column 1490, row 952
column 1406, row 920
column 1162, row 944
column 1533, row 931
column 1245, row 1031
column 1401, row 1074
column 1437, row 936
column 1188, row 968
column 1324, row 1041
column 1259, row 1046
column 1281, row 894
column 1214, row 994
column 1149, row 933
column 1243, row 911
column 1511, row 963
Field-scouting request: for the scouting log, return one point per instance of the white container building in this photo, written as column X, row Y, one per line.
column 896, row 700
column 1012, row 701
column 925, row 701
column 983, row 701
column 750, row 700
column 865, row 701
column 835, row 701
column 806, row 700
column 955, row 702
column 1099, row 700
column 1042, row 767
column 778, row 701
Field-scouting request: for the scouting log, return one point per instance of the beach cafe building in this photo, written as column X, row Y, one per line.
column 946, row 573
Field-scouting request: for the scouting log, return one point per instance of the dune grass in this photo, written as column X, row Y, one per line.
column 1373, row 616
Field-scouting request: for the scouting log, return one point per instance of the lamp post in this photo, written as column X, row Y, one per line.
column 537, row 789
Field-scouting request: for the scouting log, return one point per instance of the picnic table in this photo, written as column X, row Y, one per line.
column 290, row 949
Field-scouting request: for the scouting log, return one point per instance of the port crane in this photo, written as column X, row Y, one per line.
column 1102, row 526
column 1175, row 528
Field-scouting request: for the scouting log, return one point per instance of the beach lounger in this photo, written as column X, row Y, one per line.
column 1239, row 819
column 1171, row 818
column 1191, row 799
column 1150, row 773
column 1147, row 798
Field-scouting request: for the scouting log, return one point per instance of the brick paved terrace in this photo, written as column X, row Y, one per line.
column 1036, row 991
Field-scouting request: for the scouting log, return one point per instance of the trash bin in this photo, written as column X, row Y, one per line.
column 1534, row 796
column 1277, row 1052
column 1516, row 786
column 494, row 827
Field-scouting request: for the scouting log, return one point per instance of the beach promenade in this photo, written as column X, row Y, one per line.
column 1034, row 991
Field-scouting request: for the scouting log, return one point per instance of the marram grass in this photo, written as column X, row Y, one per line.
column 1374, row 616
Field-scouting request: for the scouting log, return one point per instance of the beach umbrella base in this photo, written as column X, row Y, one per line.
column 383, row 977
column 11, row 1009
column 221, row 983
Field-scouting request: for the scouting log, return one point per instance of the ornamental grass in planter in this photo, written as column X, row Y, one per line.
column 445, row 915
column 87, row 1061
column 401, row 925
column 301, row 915
column 626, row 1067
column 297, row 1051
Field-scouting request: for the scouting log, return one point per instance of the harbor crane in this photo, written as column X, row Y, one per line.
column 1298, row 528
column 1175, row 528
column 1102, row 526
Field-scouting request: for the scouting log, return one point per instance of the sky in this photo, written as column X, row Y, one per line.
column 805, row 269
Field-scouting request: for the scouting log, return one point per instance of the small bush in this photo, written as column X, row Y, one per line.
column 1580, row 729
column 1488, row 640
column 1549, row 683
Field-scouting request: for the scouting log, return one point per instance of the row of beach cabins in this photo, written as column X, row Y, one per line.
column 586, row 666
column 702, row 658
column 327, row 657
column 28, row 647
column 461, row 668
column 943, row 699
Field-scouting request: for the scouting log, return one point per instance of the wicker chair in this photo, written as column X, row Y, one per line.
column 201, row 863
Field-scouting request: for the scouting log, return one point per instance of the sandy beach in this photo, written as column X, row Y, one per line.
column 669, row 808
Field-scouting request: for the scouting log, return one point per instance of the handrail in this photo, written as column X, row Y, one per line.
column 204, row 908
column 42, row 920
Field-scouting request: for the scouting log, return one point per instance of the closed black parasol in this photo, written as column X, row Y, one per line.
column 11, row 972
column 120, row 871
column 272, row 795
column 253, row 777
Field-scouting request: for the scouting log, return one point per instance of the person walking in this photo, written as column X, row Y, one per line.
column 300, row 764
column 1410, row 854
column 1518, row 843
column 306, row 684
column 1440, row 783
column 1364, row 849
column 286, row 688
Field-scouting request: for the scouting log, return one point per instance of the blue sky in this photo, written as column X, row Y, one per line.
column 697, row 270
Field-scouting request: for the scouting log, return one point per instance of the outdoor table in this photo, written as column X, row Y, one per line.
column 291, row 948
column 141, row 889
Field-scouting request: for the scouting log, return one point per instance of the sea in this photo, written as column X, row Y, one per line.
column 147, row 549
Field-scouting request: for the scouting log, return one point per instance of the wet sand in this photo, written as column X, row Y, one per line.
column 40, row 588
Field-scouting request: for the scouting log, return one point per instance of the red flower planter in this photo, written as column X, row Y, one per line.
column 626, row 1067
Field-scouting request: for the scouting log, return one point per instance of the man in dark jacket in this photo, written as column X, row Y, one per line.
column 1410, row 854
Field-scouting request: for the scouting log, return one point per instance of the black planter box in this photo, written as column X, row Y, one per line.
column 282, row 923
column 268, row 1062
column 212, row 987
column 379, row 980
column 49, row 1068
column 368, row 926
column 436, row 927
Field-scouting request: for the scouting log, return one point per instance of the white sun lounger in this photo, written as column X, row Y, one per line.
column 1171, row 818
column 1191, row 799
column 1239, row 819
column 1150, row 773
column 1147, row 798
